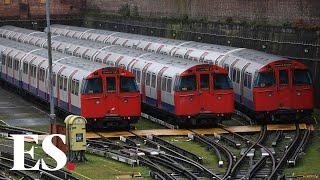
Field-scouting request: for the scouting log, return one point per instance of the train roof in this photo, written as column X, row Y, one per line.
column 254, row 56
column 176, row 63
column 56, row 57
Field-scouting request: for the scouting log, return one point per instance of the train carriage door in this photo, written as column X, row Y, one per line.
column 159, row 80
column 112, row 95
column 143, row 81
column 204, row 91
column 284, row 85
column 244, row 84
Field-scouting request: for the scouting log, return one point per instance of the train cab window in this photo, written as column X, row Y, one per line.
column 283, row 77
column 221, row 81
column 204, row 82
column 111, row 84
column 153, row 80
column 302, row 77
column 187, row 83
column 148, row 79
column 92, row 86
column 128, row 84
column 265, row 79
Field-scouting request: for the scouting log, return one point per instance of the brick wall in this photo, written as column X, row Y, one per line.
column 271, row 11
column 11, row 10
column 33, row 8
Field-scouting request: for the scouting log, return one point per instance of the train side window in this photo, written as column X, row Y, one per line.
column 238, row 76
column 76, row 90
column 3, row 60
column 153, row 80
column 60, row 82
column 245, row 80
column 138, row 76
column 226, row 67
column 169, row 85
column 72, row 86
column 41, row 75
column 249, row 80
column 35, row 71
column 16, row 65
column 54, row 79
column 111, row 84
column 234, row 75
column 9, row 64
column 163, row 83
column 283, row 77
column 148, row 79
column 25, row 67
column 65, row 83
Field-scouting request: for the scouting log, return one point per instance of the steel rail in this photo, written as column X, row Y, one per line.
column 292, row 145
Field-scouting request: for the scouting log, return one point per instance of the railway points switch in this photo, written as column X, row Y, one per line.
column 76, row 137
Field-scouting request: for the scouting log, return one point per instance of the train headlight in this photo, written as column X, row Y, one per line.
column 269, row 94
column 125, row 100
column 97, row 101
column 299, row 94
column 219, row 97
column 190, row 98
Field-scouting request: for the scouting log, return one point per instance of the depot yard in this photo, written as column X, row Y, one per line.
column 18, row 112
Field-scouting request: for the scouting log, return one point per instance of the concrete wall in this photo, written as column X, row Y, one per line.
column 271, row 11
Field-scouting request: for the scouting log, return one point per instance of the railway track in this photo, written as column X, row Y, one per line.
column 165, row 160
column 246, row 165
column 6, row 159
column 290, row 154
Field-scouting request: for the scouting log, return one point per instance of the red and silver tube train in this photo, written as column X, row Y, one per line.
column 106, row 96
column 265, row 85
column 194, row 93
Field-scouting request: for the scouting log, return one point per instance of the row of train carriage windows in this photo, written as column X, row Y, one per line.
column 151, row 80
column 32, row 71
column 235, row 76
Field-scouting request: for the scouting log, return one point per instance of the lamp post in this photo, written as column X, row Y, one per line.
column 53, row 129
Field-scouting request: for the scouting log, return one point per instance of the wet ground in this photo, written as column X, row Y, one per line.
column 16, row 111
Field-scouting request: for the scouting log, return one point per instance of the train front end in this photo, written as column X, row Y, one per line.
column 283, row 90
column 110, row 98
column 203, row 95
